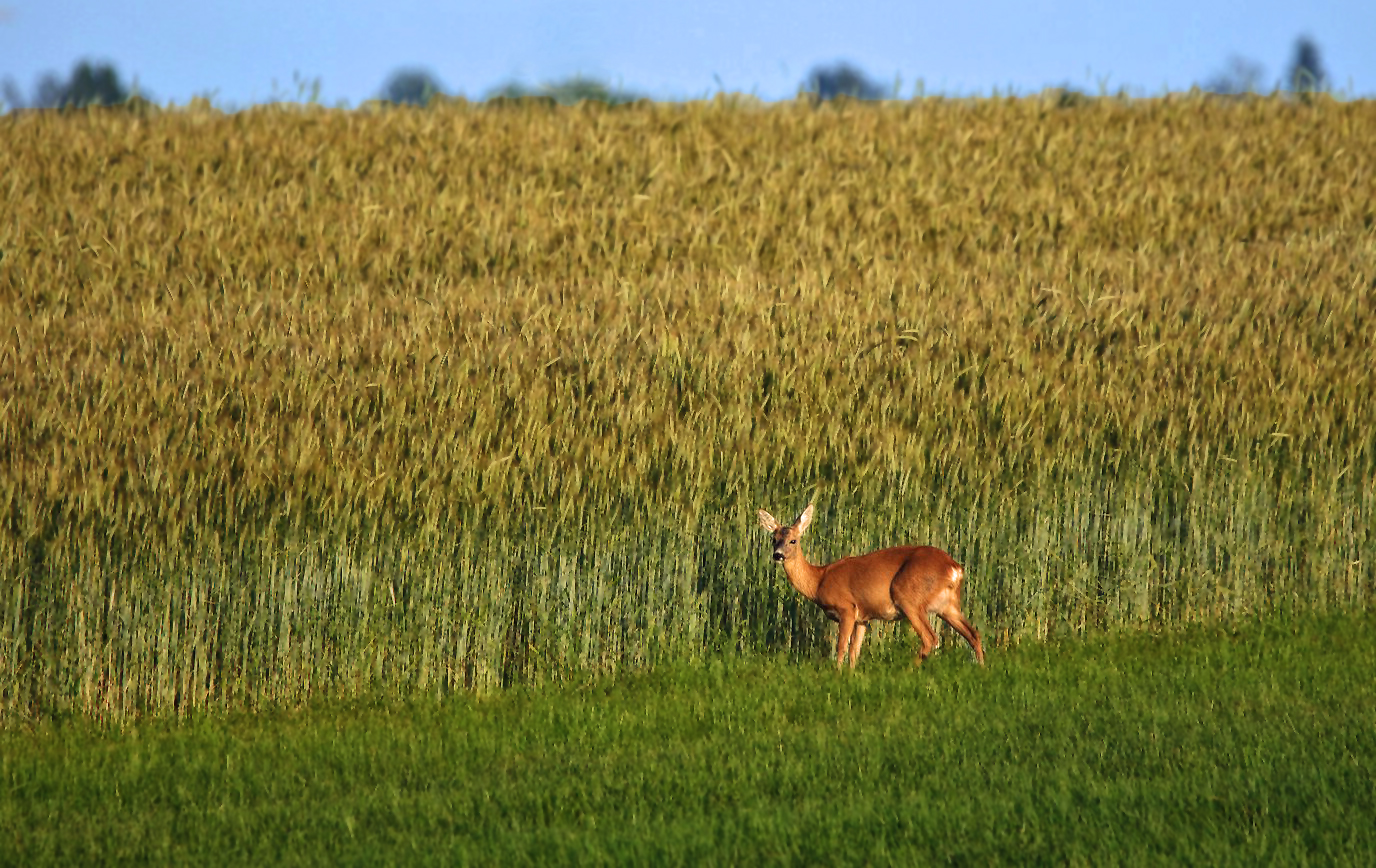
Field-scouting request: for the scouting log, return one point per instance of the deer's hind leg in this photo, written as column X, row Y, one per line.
column 958, row 622
column 917, row 617
column 913, row 598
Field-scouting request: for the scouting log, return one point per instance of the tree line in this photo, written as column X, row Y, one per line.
column 99, row 83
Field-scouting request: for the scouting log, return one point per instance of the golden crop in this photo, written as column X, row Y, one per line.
column 469, row 394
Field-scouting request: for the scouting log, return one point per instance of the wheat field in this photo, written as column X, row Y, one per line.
column 304, row 402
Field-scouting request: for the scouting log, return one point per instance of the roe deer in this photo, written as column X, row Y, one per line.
column 911, row 582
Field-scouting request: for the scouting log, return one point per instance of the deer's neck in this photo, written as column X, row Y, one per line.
column 803, row 576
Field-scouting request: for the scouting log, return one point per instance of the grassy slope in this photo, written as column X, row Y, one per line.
column 1205, row 745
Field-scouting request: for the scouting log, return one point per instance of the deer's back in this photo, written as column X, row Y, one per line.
column 867, row 580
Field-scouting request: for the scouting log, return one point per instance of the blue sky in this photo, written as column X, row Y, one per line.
column 252, row 50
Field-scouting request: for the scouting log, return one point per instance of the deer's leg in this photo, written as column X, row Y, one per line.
column 924, row 632
column 912, row 606
column 962, row 625
column 846, row 626
column 856, row 641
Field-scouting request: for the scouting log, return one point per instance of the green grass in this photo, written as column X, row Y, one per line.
column 1214, row 745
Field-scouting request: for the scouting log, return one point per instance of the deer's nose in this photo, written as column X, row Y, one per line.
column 778, row 556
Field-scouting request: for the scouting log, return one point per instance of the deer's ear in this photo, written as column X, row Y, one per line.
column 804, row 520
column 768, row 522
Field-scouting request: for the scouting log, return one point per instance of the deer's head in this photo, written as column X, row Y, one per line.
column 786, row 537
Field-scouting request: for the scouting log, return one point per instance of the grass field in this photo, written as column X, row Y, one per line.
column 308, row 403
column 1194, row 745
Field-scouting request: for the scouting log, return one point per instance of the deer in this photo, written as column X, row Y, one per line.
column 903, row 582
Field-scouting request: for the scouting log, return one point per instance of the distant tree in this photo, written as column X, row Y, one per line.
column 94, row 84
column 567, row 92
column 1242, row 76
column 841, row 79
column 11, row 94
column 1066, row 95
column 90, row 84
column 411, row 87
column 1307, row 74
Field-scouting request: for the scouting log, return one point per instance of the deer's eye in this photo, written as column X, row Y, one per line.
column 793, row 542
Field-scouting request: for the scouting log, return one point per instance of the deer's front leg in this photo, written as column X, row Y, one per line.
column 856, row 640
column 846, row 621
